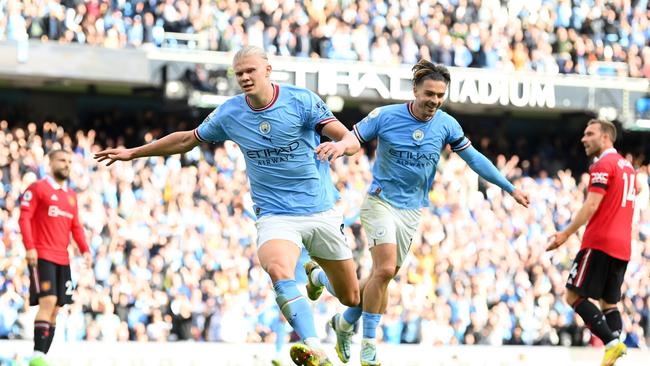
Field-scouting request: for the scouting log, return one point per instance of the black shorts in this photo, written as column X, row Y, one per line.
column 50, row 279
column 597, row 275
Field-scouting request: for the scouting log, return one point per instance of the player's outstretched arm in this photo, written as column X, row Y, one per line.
column 344, row 142
column 521, row 197
column 484, row 167
column 584, row 214
column 174, row 143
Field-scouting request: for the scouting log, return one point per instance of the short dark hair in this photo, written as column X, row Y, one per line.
column 55, row 152
column 606, row 127
column 424, row 70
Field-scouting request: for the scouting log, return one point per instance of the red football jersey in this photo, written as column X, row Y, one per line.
column 610, row 228
column 48, row 213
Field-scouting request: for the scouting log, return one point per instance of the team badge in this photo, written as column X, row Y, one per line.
column 380, row 232
column 27, row 196
column 418, row 135
column 71, row 201
column 46, row 285
column 374, row 113
column 265, row 128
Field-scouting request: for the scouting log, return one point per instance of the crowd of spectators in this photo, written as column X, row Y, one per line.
column 174, row 240
column 604, row 37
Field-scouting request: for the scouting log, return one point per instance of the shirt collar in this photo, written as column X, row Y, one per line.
column 56, row 185
column 606, row 152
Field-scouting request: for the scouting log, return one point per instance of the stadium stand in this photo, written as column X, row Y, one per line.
column 182, row 265
column 173, row 238
column 569, row 37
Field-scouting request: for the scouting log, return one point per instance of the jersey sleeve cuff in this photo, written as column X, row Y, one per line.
column 198, row 137
column 358, row 134
column 467, row 143
column 320, row 125
column 327, row 120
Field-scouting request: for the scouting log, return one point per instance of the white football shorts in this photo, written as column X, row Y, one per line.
column 385, row 224
column 321, row 233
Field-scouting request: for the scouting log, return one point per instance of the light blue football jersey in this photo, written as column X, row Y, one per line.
column 408, row 151
column 278, row 143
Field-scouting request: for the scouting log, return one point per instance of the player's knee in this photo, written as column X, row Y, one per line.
column 384, row 273
column 604, row 305
column 350, row 297
column 278, row 271
column 47, row 303
column 571, row 297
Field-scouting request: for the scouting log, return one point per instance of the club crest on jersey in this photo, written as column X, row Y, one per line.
column 71, row 201
column 380, row 232
column 418, row 135
column 46, row 285
column 374, row 113
column 265, row 127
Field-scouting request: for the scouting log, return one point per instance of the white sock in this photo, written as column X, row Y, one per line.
column 314, row 277
column 313, row 342
column 612, row 343
column 343, row 324
column 38, row 354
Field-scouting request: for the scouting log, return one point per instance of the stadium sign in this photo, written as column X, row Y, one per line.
column 479, row 89
column 624, row 99
column 352, row 82
column 395, row 84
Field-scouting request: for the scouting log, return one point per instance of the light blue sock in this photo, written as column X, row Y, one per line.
column 295, row 308
column 323, row 280
column 280, row 334
column 352, row 315
column 370, row 324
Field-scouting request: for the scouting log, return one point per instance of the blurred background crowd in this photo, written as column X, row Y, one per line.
column 601, row 37
column 174, row 241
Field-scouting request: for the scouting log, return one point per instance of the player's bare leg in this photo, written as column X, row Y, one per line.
column 278, row 258
column 571, row 297
column 342, row 275
column 375, row 297
column 384, row 268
